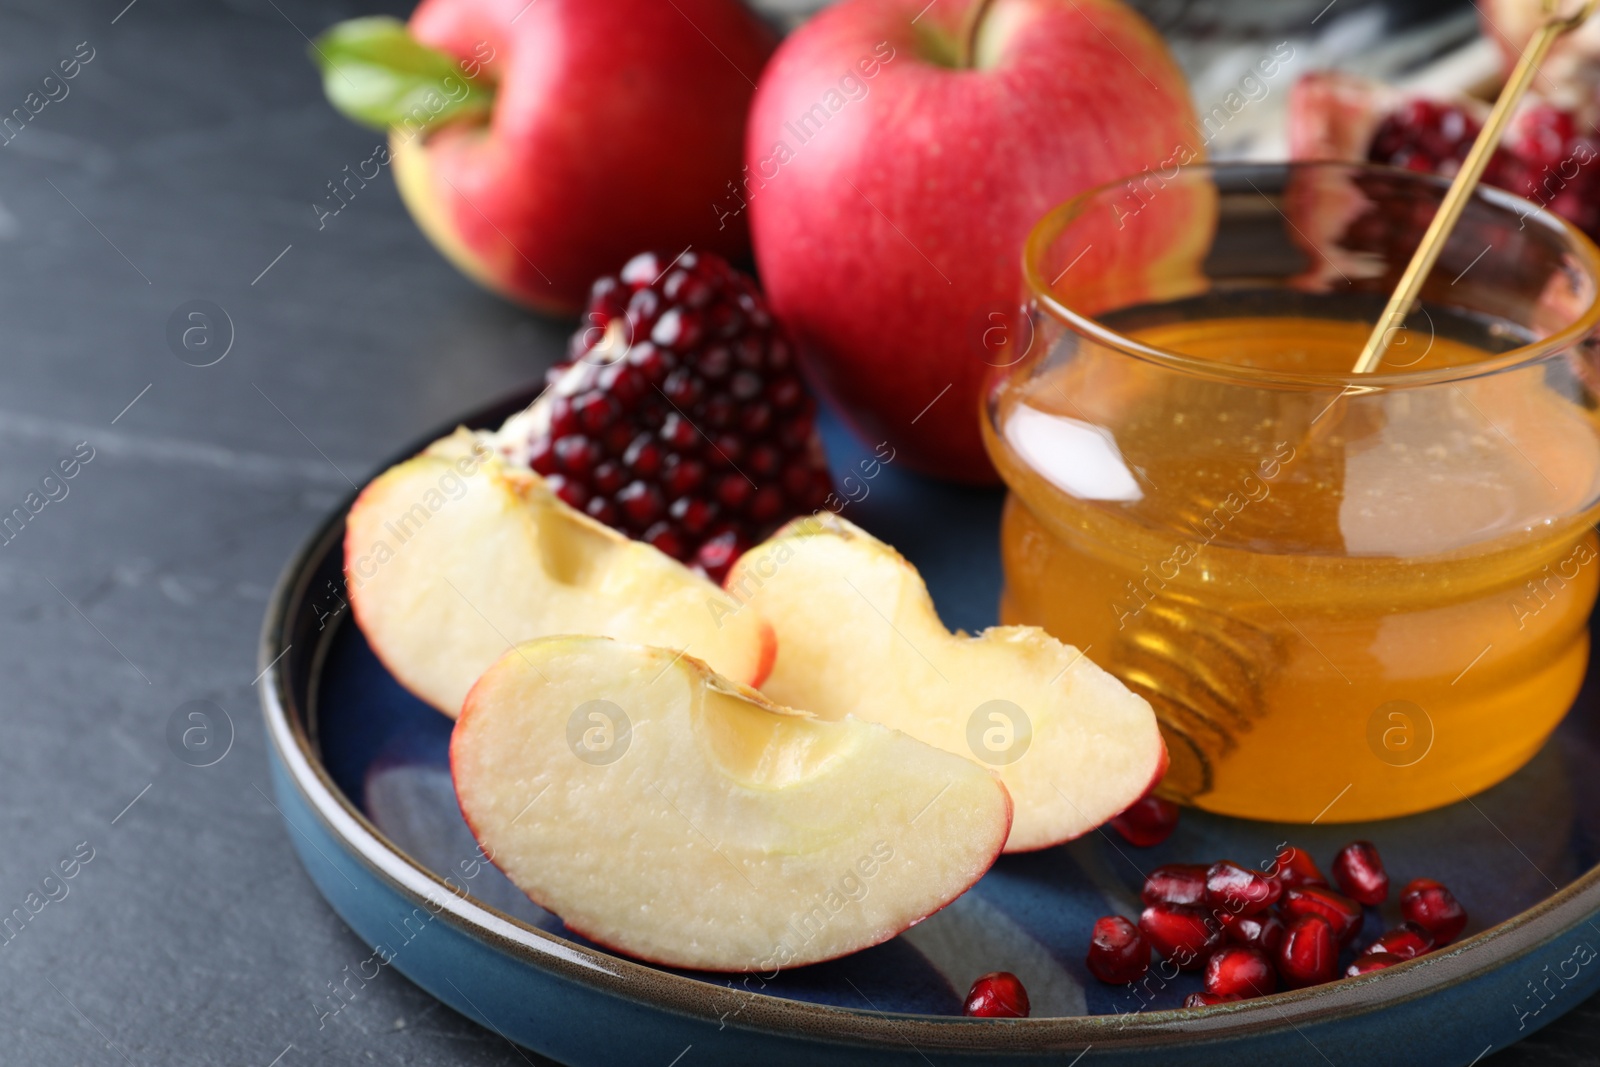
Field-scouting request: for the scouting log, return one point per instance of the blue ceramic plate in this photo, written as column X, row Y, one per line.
column 360, row 768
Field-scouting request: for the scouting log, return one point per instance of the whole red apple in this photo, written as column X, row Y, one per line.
column 607, row 126
column 899, row 152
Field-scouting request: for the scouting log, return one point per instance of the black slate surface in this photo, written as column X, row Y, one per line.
column 182, row 165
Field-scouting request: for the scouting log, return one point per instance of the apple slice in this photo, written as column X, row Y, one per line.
column 454, row 556
column 681, row 818
column 858, row 635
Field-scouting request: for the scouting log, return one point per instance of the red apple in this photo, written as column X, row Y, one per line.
column 893, row 171
column 608, row 127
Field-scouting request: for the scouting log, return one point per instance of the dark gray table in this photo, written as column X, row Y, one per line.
column 183, row 164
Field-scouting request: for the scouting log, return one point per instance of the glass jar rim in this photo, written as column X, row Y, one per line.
column 1058, row 218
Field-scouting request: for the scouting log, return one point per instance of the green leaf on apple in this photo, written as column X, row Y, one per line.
column 377, row 74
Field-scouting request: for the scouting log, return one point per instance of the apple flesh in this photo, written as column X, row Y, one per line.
column 616, row 127
column 454, row 556
column 710, row 829
column 858, row 636
column 891, row 181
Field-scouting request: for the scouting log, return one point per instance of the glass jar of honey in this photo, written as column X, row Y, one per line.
column 1347, row 596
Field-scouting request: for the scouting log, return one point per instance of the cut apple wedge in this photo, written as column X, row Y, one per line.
column 858, row 635
column 454, row 556
column 666, row 812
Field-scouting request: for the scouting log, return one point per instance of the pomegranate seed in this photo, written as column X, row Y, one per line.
column 572, row 493
column 1241, row 971
column 1264, row 932
column 609, row 477
column 1434, row 908
column 595, row 411
column 1359, row 871
column 1296, row 868
column 715, row 362
column 563, row 421
column 1309, row 954
column 692, row 514
column 640, row 270
column 1342, row 914
column 643, row 457
column 1175, row 883
column 542, row 457
column 682, row 476
column 1369, row 962
column 766, row 505
column 1240, row 890
column 602, row 510
column 1118, row 952
column 1181, row 934
column 1148, row 821
column 678, row 432
column 733, row 491
column 997, row 995
column 665, row 539
column 576, row 456
column 641, row 503
column 678, row 329
column 1206, row 1000
column 717, row 554
column 764, row 460
column 1408, row 941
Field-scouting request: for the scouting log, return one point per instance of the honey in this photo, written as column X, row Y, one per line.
column 1343, row 606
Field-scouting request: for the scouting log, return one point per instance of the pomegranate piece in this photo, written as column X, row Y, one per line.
column 1205, row 1000
column 1239, row 890
column 1148, row 821
column 1118, row 952
column 1264, row 932
column 1408, row 941
column 1546, row 155
column 1240, row 971
column 1309, row 954
column 680, row 417
column 1296, row 868
column 1342, row 914
column 1358, row 870
column 1434, row 908
column 1368, row 962
column 997, row 995
column 1183, row 935
column 1176, row 883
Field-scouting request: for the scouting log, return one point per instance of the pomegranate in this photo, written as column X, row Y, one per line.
column 1434, row 908
column 680, row 417
column 1148, row 821
column 1176, row 883
column 1181, row 934
column 1118, row 952
column 1358, row 869
column 1548, row 156
column 997, row 995
column 1309, row 954
column 1245, row 972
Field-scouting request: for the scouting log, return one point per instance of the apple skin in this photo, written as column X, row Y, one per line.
column 890, row 241
column 617, row 127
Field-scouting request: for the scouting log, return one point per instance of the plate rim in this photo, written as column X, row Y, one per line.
column 620, row 976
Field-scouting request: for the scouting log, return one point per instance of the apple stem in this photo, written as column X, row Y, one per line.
column 969, row 33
